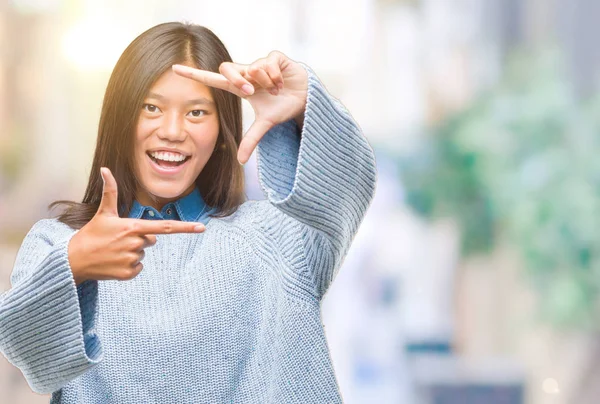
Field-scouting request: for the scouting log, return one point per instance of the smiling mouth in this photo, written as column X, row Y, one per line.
column 163, row 162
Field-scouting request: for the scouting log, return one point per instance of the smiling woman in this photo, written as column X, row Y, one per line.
column 164, row 284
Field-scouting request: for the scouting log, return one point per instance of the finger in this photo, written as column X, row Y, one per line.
column 149, row 240
column 258, row 73
column 108, row 203
column 211, row 79
column 141, row 257
column 132, row 272
column 149, row 227
column 273, row 69
column 234, row 75
column 248, row 144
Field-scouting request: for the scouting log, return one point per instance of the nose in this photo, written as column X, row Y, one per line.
column 171, row 128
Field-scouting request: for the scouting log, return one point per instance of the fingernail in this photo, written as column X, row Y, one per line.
column 199, row 228
column 280, row 86
column 247, row 88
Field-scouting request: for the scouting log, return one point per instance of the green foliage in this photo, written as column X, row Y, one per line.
column 522, row 164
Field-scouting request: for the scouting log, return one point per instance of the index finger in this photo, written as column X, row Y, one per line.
column 143, row 227
column 208, row 78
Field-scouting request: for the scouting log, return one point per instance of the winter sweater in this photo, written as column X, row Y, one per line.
column 230, row 315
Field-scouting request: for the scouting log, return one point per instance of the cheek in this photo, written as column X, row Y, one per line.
column 205, row 137
column 143, row 130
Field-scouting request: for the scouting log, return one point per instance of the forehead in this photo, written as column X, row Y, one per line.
column 177, row 88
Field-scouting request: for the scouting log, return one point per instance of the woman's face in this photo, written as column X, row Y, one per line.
column 175, row 136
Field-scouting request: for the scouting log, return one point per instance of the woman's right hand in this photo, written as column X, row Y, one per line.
column 111, row 247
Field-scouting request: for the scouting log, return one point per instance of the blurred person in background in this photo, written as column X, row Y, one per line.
column 226, row 305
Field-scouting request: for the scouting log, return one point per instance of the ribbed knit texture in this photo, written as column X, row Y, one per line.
column 231, row 315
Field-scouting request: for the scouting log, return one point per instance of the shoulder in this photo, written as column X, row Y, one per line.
column 49, row 230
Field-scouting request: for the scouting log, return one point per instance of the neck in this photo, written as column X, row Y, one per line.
column 147, row 199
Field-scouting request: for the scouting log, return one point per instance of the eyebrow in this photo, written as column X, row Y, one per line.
column 197, row 101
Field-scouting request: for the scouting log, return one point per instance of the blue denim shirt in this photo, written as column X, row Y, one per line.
column 190, row 208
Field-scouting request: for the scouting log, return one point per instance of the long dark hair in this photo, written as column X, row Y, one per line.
column 221, row 182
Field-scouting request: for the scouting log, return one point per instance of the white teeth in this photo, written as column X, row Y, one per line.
column 167, row 156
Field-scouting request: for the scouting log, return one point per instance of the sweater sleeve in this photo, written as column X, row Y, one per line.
column 324, row 177
column 47, row 323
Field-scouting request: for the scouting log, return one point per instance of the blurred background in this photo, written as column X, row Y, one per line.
column 475, row 276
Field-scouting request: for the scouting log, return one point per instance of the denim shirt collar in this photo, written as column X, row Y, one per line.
column 190, row 208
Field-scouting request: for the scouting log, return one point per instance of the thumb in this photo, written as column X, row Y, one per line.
column 108, row 203
column 249, row 142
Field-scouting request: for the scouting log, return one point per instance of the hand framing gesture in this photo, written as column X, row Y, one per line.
column 111, row 247
column 275, row 86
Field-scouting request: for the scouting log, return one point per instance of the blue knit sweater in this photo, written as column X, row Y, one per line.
column 231, row 315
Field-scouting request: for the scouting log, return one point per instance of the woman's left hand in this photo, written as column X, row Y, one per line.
column 275, row 86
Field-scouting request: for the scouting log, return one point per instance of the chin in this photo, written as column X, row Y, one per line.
column 168, row 192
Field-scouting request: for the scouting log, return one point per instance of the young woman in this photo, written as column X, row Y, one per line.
column 163, row 284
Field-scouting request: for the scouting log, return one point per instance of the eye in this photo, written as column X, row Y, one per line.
column 197, row 113
column 150, row 108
